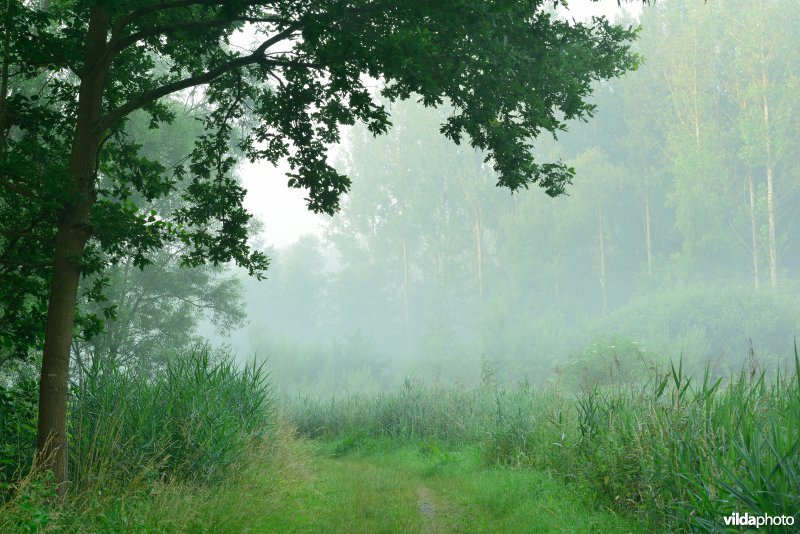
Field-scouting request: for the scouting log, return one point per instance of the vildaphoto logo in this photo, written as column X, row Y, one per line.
column 747, row 520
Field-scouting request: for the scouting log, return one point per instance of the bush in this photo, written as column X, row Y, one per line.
column 710, row 324
column 31, row 507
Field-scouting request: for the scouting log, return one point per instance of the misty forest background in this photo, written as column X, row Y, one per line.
column 677, row 238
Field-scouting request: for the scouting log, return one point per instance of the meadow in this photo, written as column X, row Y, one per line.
column 206, row 446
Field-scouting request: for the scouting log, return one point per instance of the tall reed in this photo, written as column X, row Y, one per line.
column 190, row 420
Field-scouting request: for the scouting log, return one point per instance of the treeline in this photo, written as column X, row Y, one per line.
column 677, row 233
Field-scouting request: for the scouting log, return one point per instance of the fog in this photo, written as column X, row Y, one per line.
column 676, row 239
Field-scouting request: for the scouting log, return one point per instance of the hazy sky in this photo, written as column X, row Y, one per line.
column 283, row 210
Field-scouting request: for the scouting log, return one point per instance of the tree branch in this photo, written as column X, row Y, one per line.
column 154, row 8
column 150, row 96
column 14, row 188
column 119, row 44
column 23, row 263
column 164, row 6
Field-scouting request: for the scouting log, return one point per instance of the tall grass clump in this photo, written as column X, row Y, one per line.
column 188, row 421
column 19, row 397
column 725, row 447
column 188, row 430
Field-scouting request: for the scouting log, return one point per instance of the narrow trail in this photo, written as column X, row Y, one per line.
column 402, row 491
column 438, row 514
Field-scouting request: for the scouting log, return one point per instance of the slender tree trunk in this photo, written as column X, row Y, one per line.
column 753, row 226
column 479, row 253
column 773, row 252
column 773, row 247
column 602, row 260
column 556, row 286
column 696, row 98
column 557, row 260
column 405, row 288
column 648, row 236
column 73, row 231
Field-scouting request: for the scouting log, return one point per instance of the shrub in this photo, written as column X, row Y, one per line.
column 710, row 323
column 607, row 361
column 30, row 509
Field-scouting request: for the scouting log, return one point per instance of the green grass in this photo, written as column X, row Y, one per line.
column 433, row 489
column 285, row 484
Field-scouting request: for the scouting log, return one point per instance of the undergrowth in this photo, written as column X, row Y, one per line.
column 678, row 450
column 191, row 425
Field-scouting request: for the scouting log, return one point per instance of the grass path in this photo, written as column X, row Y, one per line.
column 400, row 489
column 292, row 485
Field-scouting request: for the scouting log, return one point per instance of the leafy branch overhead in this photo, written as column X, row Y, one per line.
column 510, row 70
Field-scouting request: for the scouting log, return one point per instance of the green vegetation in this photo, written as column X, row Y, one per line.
column 193, row 423
column 385, row 486
column 74, row 183
column 200, row 447
column 679, row 452
column 286, row 485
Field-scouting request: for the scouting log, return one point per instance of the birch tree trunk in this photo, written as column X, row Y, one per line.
column 479, row 252
column 648, row 236
column 753, row 226
column 602, row 260
column 773, row 247
column 406, row 314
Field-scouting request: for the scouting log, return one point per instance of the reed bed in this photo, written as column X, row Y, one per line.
column 680, row 451
column 189, row 424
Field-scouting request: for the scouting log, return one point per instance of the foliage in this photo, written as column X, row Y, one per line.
column 141, row 312
column 289, row 104
column 500, row 65
column 663, row 174
column 30, row 509
column 157, row 310
column 729, row 318
column 18, row 400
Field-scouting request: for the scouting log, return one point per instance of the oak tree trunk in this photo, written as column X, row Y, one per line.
column 74, row 229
